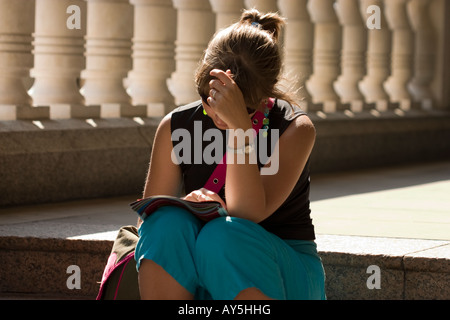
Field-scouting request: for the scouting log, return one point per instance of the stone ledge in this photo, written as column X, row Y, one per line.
column 364, row 141
column 410, row 268
column 36, row 266
column 61, row 160
column 403, row 276
column 71, row 159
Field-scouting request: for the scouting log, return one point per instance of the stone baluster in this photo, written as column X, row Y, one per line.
column 227, row 12
column 378, row 57
column 153, row 55
column 354, row 47
column 60, row 27
column 108, row 57
column 195, row 27
column 298, row 43
column 16, row 60
column 327, row 47
column 402, row 53
column 262, row 5
column 425, row 56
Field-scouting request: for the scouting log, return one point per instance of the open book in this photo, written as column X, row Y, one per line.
column 205, row 211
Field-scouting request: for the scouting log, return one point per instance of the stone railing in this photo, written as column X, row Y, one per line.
column 136, row 58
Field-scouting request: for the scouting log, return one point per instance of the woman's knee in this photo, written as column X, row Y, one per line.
column 233, row 248
column 222, row 237
column 173, row 221
column 214, row 236
column 168, row 228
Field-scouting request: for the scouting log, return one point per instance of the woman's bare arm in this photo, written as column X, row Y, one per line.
column 163, row 176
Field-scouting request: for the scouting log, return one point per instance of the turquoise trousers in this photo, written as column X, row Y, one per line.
column 219, row 259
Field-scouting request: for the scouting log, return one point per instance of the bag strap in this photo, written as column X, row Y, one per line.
column 217, row 179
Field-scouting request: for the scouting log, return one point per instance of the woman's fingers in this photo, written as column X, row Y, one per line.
column 223, row 86
column 225, row 78
column 213, row 93
column 223, row 81
column 202, row 195
column 217, row 89
column 197, row 196
column 227, row 100
column 215, row 98
column 213, row 196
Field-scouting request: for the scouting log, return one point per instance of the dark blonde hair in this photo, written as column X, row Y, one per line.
column 250, row 49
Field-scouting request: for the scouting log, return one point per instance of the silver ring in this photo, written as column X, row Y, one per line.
column 213, row 93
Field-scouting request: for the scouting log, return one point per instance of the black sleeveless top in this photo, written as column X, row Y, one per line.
column 292, row 219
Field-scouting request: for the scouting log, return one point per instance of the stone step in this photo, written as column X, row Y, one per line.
column 356, row 267
column 389, row 225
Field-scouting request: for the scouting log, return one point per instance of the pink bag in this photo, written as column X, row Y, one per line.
column 120, row 277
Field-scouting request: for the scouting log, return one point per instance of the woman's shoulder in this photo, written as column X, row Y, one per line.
column 185, row 115
column 294, row 120
column 287, row 110
column 188, row 108
column 174, row 118
column 283, row 114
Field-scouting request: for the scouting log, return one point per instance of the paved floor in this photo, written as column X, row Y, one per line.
column 398, row 202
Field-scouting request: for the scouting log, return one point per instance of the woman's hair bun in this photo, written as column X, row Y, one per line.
column 270, row 22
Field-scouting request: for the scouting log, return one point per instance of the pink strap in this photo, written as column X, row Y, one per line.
column 217, row 179
column 110, row 267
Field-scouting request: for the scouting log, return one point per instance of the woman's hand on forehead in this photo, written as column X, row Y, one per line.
column 227, row 100
column 222, row 84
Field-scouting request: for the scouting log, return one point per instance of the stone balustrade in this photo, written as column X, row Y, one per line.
column 136, row 58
